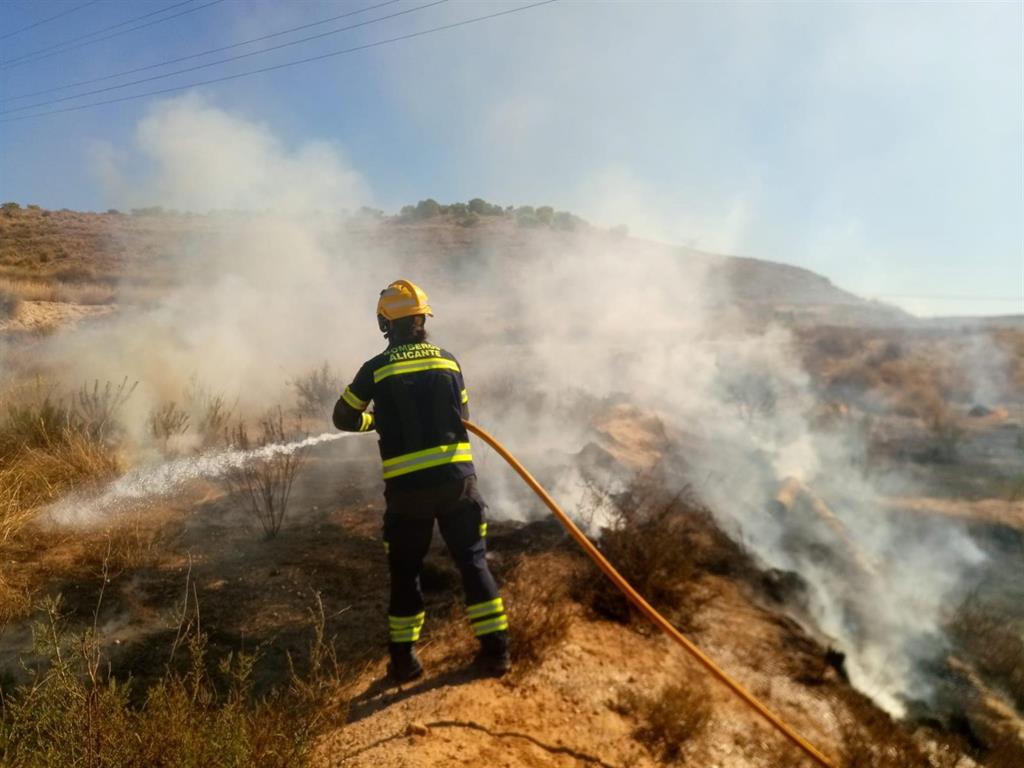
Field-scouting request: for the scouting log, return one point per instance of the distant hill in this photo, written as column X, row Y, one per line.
column 130, row 248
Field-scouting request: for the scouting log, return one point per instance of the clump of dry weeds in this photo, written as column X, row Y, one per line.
column 265, row 480
column 536, row 593
column 669, row 719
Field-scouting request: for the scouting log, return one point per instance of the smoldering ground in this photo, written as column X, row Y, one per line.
column 278, row 271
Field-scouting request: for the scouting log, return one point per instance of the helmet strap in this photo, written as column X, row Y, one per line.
column 385, row 326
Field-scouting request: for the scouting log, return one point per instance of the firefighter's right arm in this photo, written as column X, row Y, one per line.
column 350, row 414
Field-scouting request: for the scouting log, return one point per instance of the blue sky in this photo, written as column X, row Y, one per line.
column 880, row 144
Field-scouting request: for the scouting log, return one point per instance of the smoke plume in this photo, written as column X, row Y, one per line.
column 553, row 329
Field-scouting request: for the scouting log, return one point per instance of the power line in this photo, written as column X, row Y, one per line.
column 197, row 55
column 30, row 54
column 287, row 64
column 31, row 58
column 51, row 18
column 227, row 60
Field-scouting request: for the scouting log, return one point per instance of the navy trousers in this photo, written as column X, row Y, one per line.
column 409, row 519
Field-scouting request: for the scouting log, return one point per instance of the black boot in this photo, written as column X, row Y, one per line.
column 493, row 658
column 405, row 665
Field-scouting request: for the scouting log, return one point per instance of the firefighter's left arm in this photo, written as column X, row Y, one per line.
column 350, row 414
column 463, row 395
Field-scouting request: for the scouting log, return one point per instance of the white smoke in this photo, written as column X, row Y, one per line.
column 551, row 328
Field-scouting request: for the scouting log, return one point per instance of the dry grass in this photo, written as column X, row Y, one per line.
column 75, row 712
column 49, row 447
column 874, row 740
column 995, row 645
column 669, row 719
column 70, row 293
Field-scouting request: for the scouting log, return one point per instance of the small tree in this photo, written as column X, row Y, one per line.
column 428, row 209
column 317, row 391
column 265, row 477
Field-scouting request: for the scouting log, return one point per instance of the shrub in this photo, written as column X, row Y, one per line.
column 317, row 391
column 427, row 209
column 10, row 207
column 96, row 409
column 662, row 543
column 483, row 208
column 527, row 218
column 167, row 421
column 10, row 303
column 540, row 610
column 670, row 718
column 545, row 214
column 266, row 477
column 753, row 396
column 209, row 413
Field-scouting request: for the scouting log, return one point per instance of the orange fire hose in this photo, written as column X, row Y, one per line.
column 646, row 608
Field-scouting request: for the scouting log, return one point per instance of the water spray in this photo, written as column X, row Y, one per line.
column 162, row 480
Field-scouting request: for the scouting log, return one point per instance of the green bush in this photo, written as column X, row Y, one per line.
column 483, row 208
column 427, row 209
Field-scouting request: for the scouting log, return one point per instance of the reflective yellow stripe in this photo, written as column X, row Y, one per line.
column 415, row 366
column 387, row 548
column 405, row 635
column 483, row 530
column 425, row 459
column 349, row 397
column 404, row 622
column 464, row 397
column 494, row 625
column 367, row 422
column 479, row 610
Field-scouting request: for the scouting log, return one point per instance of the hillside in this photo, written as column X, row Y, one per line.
column 132, row 249
column 824, row 493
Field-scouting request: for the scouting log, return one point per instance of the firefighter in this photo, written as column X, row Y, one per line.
column 419, row 401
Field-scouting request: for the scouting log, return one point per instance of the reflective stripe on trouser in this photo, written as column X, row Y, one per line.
column 427, row 458
column 406, row 629
column 487, row 617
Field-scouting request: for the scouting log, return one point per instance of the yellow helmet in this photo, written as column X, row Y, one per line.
column 403, row 299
